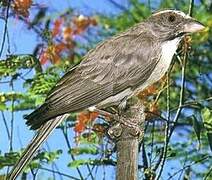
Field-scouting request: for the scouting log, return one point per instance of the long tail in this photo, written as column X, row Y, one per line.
column 42, row 134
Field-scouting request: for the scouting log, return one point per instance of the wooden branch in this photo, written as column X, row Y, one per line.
column 127, row 132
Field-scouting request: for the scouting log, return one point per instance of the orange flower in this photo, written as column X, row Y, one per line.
column 60, row 47
column 79, row 127
column 56, row 27
column 21, row 7
column 81, row 22
column 154, row 109
column 148, row 91
column 67, row 33
column 43, row 58
column 53, row 54
column 93, row 115
column 83, row 119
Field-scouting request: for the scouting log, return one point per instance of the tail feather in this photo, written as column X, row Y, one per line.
column 38, row 117
column 36, row 142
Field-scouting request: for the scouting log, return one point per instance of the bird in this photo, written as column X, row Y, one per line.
column 111, row 73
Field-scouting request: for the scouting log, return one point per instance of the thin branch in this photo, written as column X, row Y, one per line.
column 208, row 174
column 166, row 140
column 152, row 143
column 149, row 5
column 64, row 131
column 122, row 8
column 184, row 165
column 6, row 125
column 190, row 10
column 8, row 43
column 145, row 161
column 54, row 165
column 193, row 104
column 58, row 172
column 5, row 28
column 119, row 6
column 90, row 171
column 182, row 90
column 188, row 166
column 12, row 118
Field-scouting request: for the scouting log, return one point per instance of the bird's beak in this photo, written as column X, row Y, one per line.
column 192, row 26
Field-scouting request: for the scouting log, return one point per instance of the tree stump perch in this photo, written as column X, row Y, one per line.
column 127, row 133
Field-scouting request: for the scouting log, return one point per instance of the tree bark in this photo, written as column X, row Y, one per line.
column 127, row 159
column 128, row 132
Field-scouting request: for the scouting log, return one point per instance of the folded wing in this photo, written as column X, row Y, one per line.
column 122, row 62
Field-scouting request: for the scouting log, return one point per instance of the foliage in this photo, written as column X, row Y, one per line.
column 184, row 109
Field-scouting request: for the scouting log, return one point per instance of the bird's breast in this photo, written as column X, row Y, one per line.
column 168, row 49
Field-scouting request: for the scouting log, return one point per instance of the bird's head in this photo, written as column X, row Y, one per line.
column 170, row 24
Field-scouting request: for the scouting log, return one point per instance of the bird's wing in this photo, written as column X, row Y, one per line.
column 117, row 65
column 113, row 66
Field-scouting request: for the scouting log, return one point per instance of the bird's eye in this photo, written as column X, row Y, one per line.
column 171, row 18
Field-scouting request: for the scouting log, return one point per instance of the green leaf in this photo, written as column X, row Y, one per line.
column 84, row 150
column 3, row 176
column 207, row 117
column 39, row 100
column 2, row 106
column 78, row 163
column 49, row 156
column 197, row 125
column 13, row 63
column 209, row 135
column 33, row 165
column 8, row 159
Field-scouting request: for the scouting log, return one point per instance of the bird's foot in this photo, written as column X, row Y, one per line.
column 118, row 128
column 135, row 128
column 108, row 116
column 118, row 120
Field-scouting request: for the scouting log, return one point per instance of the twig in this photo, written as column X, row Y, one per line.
column 166, row 140
column 5, row 27
column 145, row 160
column 54, row 165
column 192, row 104
column 122, row 8
column 184, row 164
column 149, row 5
column 187, row 166
column 58, row 172
column 90, row 171
column 12, row 118
column 152, row 142
column 119, row 6
column 8, row 43
column 190, row 10
column 34, row 174
column 64, row 130
column 182, row 89
column 208, row 174
column 6, row 125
